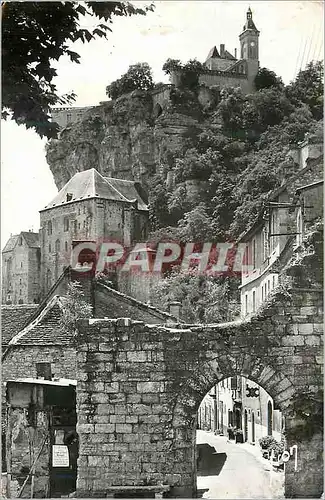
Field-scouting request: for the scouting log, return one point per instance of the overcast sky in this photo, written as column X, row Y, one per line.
column 291, row 35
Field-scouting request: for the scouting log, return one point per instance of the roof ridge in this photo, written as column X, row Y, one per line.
column 136, row 301
column 54, row 300
column 111, row 186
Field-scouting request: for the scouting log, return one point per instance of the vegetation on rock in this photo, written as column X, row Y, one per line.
column 32, row 41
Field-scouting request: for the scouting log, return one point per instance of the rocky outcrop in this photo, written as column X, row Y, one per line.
column 122, row 138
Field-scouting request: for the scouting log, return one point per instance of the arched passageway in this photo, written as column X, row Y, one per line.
column 228, row 453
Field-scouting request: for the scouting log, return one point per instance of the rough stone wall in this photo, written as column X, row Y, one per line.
column 13, row 318
column 21, row 361
column 140, row 387
column 25, row 443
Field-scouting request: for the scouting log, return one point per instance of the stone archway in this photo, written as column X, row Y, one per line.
column 141, row 385
column 199, row 384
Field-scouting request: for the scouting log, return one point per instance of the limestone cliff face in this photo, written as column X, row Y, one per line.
column 120, row 139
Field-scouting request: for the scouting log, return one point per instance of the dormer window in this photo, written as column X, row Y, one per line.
column 69, row 196
column 20, row 242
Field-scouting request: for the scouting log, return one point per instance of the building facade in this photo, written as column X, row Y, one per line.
column 239, row 403
column 89, row 207
column 287, row 214
column 21, row 269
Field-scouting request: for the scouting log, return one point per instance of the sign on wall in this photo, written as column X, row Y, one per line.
column 60, row 456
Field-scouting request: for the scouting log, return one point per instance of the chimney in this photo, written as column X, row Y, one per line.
column 235, row 53
column 175, row 309
column 222, row 50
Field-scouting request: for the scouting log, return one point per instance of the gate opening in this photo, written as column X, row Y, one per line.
column 237, row 429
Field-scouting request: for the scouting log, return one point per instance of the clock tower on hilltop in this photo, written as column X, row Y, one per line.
column 249, row 45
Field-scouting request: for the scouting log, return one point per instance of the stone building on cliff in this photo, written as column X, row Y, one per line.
column 225, row 70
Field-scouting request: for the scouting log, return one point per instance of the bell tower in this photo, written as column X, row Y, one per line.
column 249, row 46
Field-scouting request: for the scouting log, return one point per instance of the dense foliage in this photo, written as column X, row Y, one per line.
column 137, row 77
column 235, row 159
column 75, row 307
column 34, row 35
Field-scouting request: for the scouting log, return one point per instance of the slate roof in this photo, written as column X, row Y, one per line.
column 86, row 185
column 213, row 53
column 32, row 239
column 128, row 190
column 249, row 25
column 11, row 243
column 45, row 329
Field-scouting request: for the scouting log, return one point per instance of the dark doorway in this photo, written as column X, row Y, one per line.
column 269, row 418
column 238, row 422
column 245, row 425
column 253, row 427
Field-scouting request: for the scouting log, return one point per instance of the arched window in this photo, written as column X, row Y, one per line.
column 57, row 246
column 66, row 223
column 48, row 279
column 49, row 227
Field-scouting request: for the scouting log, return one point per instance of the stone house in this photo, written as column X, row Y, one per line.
column 272, row 238
column 21, row 269
column 89, row 207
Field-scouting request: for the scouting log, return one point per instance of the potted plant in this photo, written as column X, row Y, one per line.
column 265, row 442
column 239, row 436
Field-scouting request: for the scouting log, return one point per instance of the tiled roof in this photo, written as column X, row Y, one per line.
column 213, row 53
column 11, row 243
column 32, row 239
column 128, row 190
column 45, row 329
column 86, row 185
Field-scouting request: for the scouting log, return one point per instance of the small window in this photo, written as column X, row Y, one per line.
column 69, row 196
column 69, row 118
column 50, row 248
column 258, row 413
column 21, row 265
column 268, row 286
column 66, row 246
column 254, row 300
column 246, row 304
column 66, row 224
column 20, row 292
column 49, row 227
column 57, row 245
column 262, row 293
column 43, row 370
column 78, row 211
column 79, row 225
column 273, row 281
column 20, row 241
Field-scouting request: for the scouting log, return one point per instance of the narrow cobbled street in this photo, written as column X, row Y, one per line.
column 229, row 470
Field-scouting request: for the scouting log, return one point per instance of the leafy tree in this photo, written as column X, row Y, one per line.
column 137, row 77
column 308, row 88
column 204, row 299
column 189, row 72
column 34, row 34
column 197, row 226
column 75, row 307
column 266, row 78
